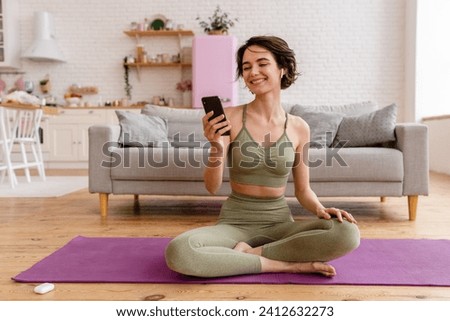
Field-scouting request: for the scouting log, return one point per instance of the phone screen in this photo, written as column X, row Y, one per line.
column 213, row 103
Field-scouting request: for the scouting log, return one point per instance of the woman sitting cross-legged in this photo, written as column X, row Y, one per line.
column 256, row 232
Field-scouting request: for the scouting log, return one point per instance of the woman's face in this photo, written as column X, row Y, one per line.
column 260, row 70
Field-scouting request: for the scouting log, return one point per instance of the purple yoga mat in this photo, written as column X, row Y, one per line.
column 141, row 260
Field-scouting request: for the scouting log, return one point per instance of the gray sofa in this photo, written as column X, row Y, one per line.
column 398, row 167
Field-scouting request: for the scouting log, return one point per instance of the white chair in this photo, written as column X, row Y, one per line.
column 25, row 133
column 6, row 167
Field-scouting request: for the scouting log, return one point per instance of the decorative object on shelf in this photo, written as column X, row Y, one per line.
column 140, row 53
column 134, row 25
column 83, row 90
column 218, row 23
column 72, row 98
column 19, row 84
column 2, row 86
column 170, row 25
column 28, row 86
column 173, row 61
column 187, row 99
column 45, row 84
column 73, row 101
column 126, row 78
column 158, row 23
column 129, row 59
column 185, row 86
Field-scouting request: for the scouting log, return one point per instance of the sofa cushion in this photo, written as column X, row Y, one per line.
column 368, row 129
column 141, row 130
column 362, row 164
column 323, row 126
column 184, row 125
column 365, row 164
column 156, row 164
column 352, row 109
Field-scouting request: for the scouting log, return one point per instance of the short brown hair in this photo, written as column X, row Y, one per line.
column 284, row 56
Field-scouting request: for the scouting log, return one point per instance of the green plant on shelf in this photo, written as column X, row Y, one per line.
column 219, row 23
column 126, row 76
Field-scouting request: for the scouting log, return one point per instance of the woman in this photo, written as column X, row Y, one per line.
column 256, row 232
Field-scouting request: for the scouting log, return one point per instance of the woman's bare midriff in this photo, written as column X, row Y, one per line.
column 257, row 191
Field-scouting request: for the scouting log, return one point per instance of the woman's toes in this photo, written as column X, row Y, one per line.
column 323, row 268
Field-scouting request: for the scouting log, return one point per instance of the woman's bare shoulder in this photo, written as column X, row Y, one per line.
column 234, row 109
column 298, row 124
column 234, row 112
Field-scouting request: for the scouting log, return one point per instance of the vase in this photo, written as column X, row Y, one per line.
column 187, row 98
column 218, row 32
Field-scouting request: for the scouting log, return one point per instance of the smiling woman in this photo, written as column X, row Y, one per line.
column 278, row 49
column 256, row 232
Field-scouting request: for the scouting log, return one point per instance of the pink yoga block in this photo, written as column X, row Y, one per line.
column 214, row 69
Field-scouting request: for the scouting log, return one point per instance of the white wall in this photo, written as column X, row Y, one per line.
column 348, row 50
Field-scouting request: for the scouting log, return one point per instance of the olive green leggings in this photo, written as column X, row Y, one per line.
column 208, row 251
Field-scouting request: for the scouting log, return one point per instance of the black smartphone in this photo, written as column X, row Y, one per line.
column 213, row 103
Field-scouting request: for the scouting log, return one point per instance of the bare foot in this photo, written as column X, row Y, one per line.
column 316, row 267
column 242, row 247
column 268, row 265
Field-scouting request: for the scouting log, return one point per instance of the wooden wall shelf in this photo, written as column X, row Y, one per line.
column 177, row 34
column 153, row 33
column 154, row 64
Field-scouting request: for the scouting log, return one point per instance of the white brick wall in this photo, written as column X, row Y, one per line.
column 348, row 50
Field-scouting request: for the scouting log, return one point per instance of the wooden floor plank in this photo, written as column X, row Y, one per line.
column 32, row 228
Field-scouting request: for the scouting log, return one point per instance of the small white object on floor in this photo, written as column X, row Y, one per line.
column 44, row 288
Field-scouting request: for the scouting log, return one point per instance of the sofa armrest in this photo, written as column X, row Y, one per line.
column 412, row 141
column 101, row 139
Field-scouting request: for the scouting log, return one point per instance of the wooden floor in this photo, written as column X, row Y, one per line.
column 32, row 228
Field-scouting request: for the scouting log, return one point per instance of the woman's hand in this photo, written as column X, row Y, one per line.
column 214, row 128
column 327, row 213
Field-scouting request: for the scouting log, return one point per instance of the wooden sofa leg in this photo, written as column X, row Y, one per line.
column 103, row 204
column 412, row 206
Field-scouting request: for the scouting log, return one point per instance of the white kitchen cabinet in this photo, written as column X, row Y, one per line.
column 9, row 34
column 68, row 142
column 68, row 134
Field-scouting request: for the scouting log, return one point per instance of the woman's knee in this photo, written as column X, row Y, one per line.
column 185, row 254
column 179, row 255
column 348, row 235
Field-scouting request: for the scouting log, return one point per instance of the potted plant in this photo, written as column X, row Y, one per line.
column 126, row 78
column 218, row 23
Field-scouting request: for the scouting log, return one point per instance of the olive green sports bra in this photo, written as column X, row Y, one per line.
column 253, row 164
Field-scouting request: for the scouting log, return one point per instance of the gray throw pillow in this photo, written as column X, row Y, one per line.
column 352, row 109
column 322, row 126
column 138, row 130
column 369, row 129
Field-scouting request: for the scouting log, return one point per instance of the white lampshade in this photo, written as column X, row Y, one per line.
column 44, row 46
